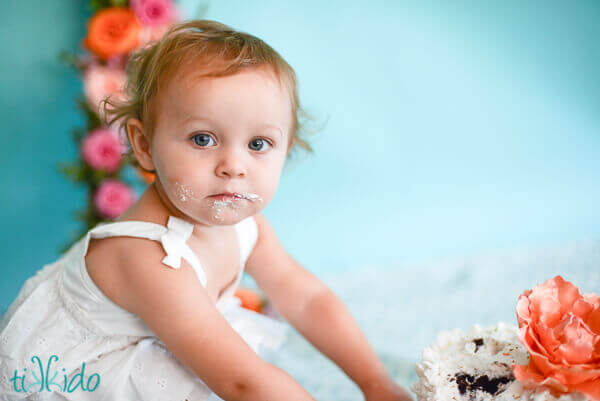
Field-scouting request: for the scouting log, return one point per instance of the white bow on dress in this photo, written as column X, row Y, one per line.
column 174, row 242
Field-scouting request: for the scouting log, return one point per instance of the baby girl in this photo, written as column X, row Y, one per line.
column 143, row 307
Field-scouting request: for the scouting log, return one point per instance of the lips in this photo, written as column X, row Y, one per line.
column 228, row 196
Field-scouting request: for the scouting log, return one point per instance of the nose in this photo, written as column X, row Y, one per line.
column 230, row 165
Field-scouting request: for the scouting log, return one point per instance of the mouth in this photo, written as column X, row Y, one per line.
column 231, row 196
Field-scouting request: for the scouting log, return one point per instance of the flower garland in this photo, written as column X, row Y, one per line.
column 116, row 28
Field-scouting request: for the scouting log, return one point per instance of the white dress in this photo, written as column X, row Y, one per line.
column 104, row 352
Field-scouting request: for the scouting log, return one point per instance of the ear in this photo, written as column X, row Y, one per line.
column 140, row 144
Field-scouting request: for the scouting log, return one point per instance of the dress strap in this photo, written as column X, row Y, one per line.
column 248, row 234
column 173, row 239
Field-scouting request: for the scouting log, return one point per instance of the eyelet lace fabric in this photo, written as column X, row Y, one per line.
column 76, row 313
column 58, row 311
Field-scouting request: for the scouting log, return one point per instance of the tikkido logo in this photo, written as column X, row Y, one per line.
column 46, row 383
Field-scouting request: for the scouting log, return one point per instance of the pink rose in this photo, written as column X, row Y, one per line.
column 101, row 81
column 113, row 198
column 101, row 149
column 152, row 33
column 154, row 12
column 561, row 329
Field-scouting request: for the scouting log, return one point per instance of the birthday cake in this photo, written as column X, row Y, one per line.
column 553, row 355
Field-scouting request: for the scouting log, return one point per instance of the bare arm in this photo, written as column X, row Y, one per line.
column 315, row 311
column 176, row 307
column 329, row 326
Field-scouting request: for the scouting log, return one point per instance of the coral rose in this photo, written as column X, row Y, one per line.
column 101, row 149
column 113, row 31
column 561, row 330
column 113, row 198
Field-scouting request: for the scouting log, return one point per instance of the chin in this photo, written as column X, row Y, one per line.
column 226, row 218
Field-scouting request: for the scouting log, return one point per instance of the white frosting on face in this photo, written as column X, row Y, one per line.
column 456, row 353
column 219, row 205
column 187, row 174
column 185, row 194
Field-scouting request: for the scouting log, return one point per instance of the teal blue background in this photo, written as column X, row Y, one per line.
column 451, row 128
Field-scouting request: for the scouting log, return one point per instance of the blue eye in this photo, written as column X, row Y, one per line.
column 201, row 139
column 258, row 142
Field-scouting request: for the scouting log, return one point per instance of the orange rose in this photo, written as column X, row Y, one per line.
column 250, row 299
column 147, row 176
column 561, row 330
column 113, row 31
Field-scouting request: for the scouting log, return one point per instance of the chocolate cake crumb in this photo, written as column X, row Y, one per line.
column 466, row 382
column 478, row 343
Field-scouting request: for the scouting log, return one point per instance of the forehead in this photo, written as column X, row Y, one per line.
column 251, row 94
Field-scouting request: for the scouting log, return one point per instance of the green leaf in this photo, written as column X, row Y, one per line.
column 82, row 104
column 68, row 58
column 128, row 158
column 98, row 176
column 120, row 3
column 77, row 134
column 98, row 5
column 71, row 170
column 81, row 173
column 92, row 117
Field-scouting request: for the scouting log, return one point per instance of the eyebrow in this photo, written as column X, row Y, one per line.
column 208, row 120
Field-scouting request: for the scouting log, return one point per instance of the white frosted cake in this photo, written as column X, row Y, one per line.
column 477, row 366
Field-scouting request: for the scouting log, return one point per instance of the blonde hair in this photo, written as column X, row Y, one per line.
column 219, row 50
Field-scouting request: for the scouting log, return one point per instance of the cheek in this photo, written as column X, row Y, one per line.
column 177, row 179
column 186, row 187
column 173, row 165
column 268, row 180
column 183, row 192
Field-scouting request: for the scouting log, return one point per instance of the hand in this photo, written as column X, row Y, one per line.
column 388, row 392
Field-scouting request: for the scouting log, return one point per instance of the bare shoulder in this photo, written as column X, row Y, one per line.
column 262, row 223
column 269, row 262
column 177, row 308
column 266, row 242
column 284, row 281
column 108, row 259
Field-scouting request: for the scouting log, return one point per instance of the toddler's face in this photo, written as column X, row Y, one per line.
column 221, row 135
